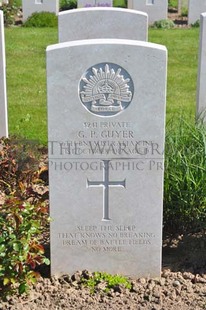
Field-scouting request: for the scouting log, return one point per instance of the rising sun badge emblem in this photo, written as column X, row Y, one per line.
column 106, row 89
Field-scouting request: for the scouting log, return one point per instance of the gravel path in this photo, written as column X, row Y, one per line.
column 175, row 290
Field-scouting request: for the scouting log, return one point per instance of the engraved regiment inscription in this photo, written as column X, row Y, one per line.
column 106, row 89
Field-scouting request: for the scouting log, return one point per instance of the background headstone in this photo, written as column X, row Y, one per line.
column 4, row 2
column 85, row 3
column 106, row 124
column 97, row 23
column 3, row 94
column 156, row 9
column 196, row 7
column 201, row 84
column 104, row 3
column 31, row 6
column 182, row 6
column 94, row 3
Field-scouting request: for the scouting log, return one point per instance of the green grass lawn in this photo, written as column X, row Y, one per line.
column 185, row 175
column 182, row 45
column 26, row 76
column 26, row 80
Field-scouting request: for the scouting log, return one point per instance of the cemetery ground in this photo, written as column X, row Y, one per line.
column 24, row 174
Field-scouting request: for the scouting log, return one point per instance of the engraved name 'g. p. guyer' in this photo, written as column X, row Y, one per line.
column 106, row 89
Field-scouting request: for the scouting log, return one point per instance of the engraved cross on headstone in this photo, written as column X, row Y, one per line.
column 106, row 184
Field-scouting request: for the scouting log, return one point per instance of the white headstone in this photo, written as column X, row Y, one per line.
column 31, row 6
column 201, row 84
column 3, row 95
column 156, row 9
column 106, row 124
column 184, row 3
column 4, row 2
column 102, row 23
column 85, row 3
column 196, row 7
column 94, row 3
column 182, row 7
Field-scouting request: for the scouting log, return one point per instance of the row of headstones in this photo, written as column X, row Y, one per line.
column 81, row 23
column 195, row 8
column 106, row 204
column 106, row 97
column 156, row 9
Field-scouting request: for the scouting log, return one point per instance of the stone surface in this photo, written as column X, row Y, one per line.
column 184, row 3
column 182, row 7
column 31, row 6
column 156, row 9
column 3, row 94
column 106, row 125
column 195, row 9
column 94, row 3
column 201, row 89
column 85, row 3
column 4, row 2
column 97, row 23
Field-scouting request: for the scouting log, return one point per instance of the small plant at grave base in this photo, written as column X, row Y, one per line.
column 68, row 5
column 19, row 168
column 184, row 12
column 164, row 24
column 106, row 282
column 20, row 249
column 9, row 10
column 41, row 19
column 120, row 3
column 173, row 3
column 196, row 24
column 17, row 3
